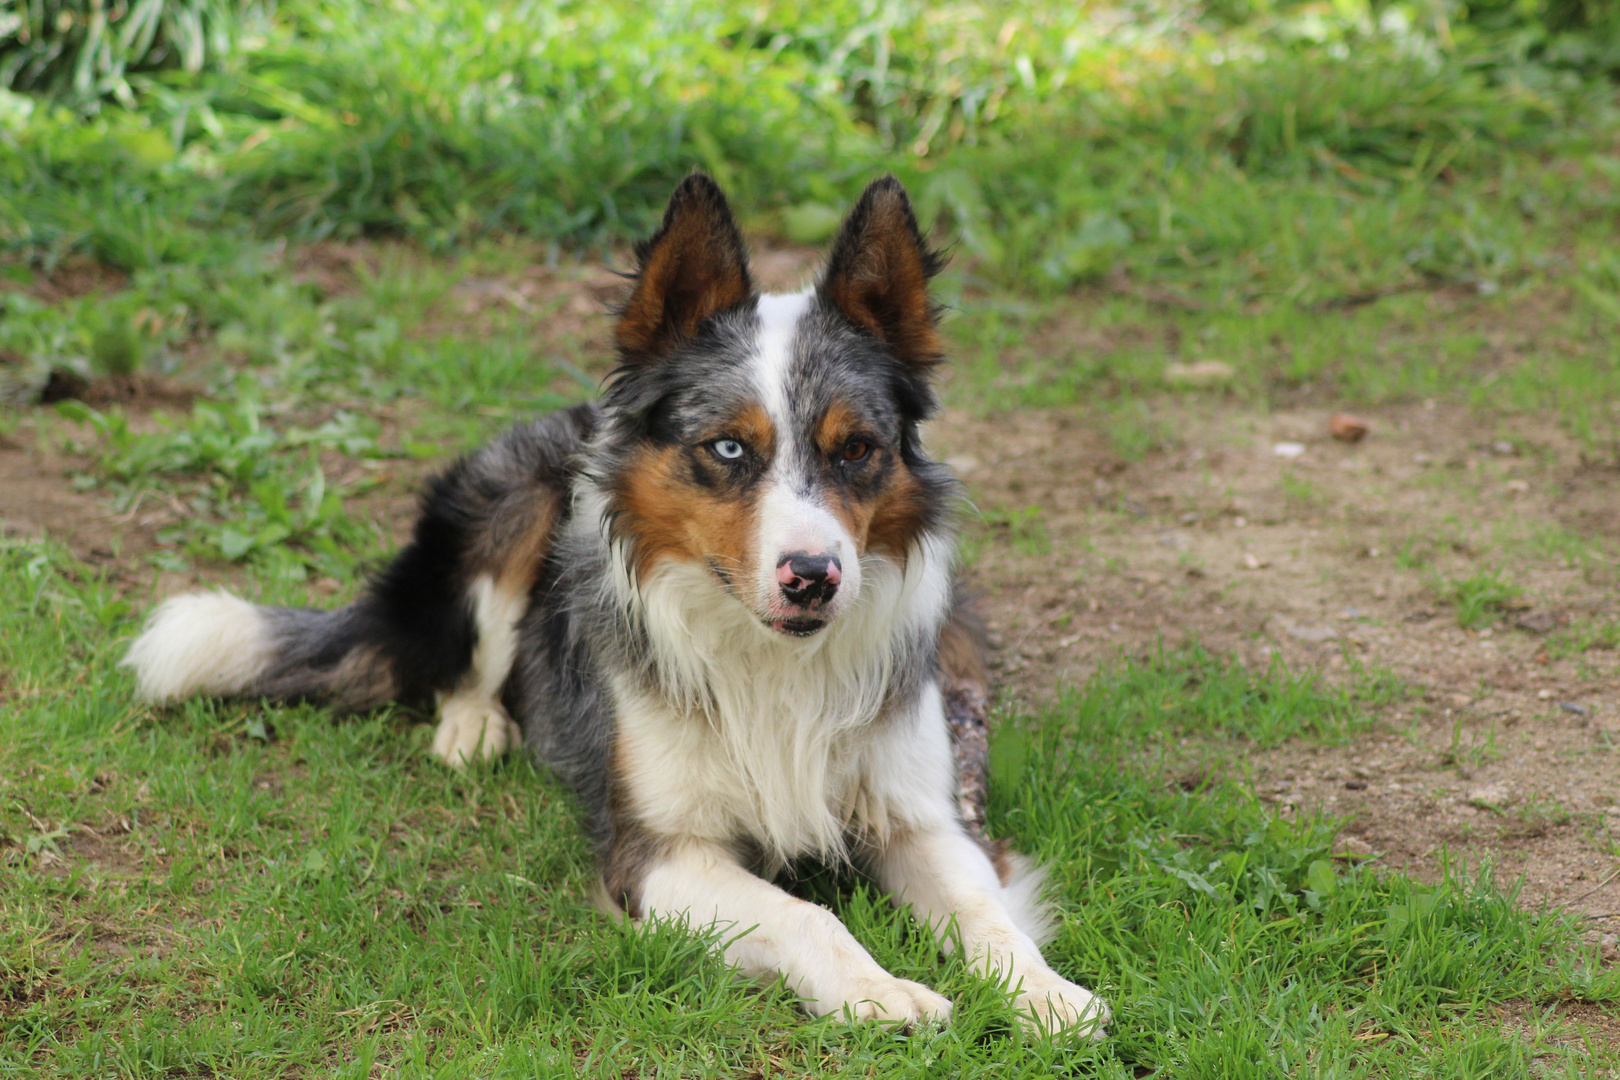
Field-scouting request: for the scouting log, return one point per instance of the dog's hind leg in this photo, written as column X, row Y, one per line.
column 506, row 556
column 438, row 623
column 472, row 721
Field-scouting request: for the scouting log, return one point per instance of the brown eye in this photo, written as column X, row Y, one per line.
column 856, row 450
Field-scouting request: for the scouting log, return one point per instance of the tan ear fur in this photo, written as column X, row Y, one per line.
column 878, row 273
column 694, row 266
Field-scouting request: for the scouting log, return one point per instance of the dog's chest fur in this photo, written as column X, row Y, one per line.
column 733, row 734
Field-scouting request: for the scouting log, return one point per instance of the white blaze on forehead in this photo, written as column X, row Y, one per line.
column 791, row 518
column 779, row 315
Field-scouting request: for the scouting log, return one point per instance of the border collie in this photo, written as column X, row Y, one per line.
column 719, row 603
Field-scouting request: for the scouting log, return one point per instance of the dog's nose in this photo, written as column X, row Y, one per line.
column 808, row 580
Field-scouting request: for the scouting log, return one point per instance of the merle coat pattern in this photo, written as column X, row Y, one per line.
column 719, row 603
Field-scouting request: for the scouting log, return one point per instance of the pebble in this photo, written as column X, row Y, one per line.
column 1347, row 428
column 1570, row 706
column 1316, row 635
column 1288, row 449
column 1489, row 795
column 1201, row 373
column 1609, row 948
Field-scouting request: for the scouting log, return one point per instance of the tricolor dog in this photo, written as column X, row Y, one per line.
column 719, row 603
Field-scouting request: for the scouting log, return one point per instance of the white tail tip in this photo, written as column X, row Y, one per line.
column 200, row 643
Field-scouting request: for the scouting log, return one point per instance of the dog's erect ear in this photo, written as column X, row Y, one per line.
column 694, row 266
column 878, row 272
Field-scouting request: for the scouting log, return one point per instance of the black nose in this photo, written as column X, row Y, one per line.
column 808, row 579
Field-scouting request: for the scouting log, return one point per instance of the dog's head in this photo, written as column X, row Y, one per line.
column 772, row 439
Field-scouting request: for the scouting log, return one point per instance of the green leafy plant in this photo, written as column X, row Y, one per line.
column 1481, row 599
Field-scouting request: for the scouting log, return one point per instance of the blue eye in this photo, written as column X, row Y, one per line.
column 728, row 449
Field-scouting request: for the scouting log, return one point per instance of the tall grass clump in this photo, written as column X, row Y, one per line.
column 1283, row 146
column 88, row 49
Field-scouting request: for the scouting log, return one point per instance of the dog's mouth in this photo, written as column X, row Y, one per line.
column 797, row 627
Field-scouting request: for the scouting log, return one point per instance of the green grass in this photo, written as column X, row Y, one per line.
column 1337, row 208
column 239, row 890
column 1481, row 599
column 1586, row 636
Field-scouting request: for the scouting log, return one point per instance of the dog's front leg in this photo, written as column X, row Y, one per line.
column 768, row 932
column 944, row 874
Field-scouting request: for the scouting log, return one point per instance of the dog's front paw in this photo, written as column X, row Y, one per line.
column 889, row 1000
column 473, row 728
column 1053, row 1004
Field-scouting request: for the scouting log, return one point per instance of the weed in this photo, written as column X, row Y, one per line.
column 248, row 488
column 1582, row 637
column 1540, row 814
column 1414, row 553
column 1481, row 599
column 1474, row 751
column 1134, row 431
column 1299, row 490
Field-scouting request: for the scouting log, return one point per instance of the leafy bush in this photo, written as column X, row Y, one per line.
column 1057, row 143
column 86, row 49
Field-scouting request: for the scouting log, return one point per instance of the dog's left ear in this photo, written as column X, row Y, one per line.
column 878, row 272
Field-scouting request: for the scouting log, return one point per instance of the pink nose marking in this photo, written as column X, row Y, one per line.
column 807, row 579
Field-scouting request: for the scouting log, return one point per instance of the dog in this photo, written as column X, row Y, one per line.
column 720, row 604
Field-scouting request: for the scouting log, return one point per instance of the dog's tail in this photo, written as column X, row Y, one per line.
column 222, row 646
column 478, row 548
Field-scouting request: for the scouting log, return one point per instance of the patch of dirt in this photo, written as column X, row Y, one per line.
column 37, row 498
column 140, row 391
column 1575, row 1025
column 71, row 278
column 1338, row 555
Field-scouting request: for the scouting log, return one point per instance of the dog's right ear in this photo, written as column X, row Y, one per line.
column 694, row 266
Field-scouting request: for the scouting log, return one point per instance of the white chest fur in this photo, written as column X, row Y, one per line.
column 784, row 741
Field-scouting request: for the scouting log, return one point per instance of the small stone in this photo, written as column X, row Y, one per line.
column 1316, row 635
column 1571, row 707
column 1353, row 846
column 1503, row 447
column 1347, row 428
column 1536, row 622
column 1355, row 785
column 1288, row 449
column 1609, row 948
column 1251, row 563
column 1201, row 374
column 1489, row 796
column 1544, row 695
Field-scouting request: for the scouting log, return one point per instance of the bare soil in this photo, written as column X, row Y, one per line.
column 1496, row 752
column 1500, row 750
